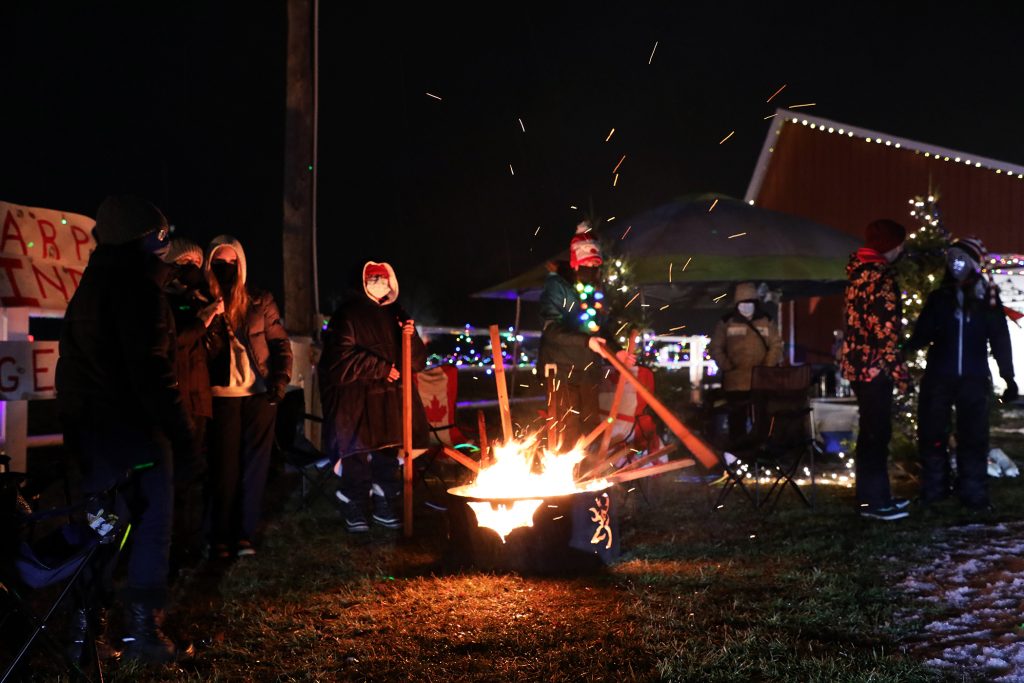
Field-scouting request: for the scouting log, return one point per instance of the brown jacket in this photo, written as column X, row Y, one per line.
column 737, row 348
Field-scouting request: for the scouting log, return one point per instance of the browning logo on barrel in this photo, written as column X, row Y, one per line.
column 600, row 514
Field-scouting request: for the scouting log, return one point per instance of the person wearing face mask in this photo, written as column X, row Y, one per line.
column 960, row 321
column 361, row 394
column 572, row 314
column 743, row 339
column 194, row 310
column 249, row 375
column 873, row 363
column 119, row 403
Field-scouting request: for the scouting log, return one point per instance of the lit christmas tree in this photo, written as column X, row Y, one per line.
column 919, row 272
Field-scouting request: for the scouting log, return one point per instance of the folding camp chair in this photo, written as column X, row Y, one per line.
column 74, row 554
column 313, row 465
column 438, row 390
column 780, row 439
column 634, row 425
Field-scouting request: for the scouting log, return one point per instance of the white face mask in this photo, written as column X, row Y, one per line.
column 746, row 308
column 378, row 289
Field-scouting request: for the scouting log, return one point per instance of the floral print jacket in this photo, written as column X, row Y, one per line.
column 871, row 345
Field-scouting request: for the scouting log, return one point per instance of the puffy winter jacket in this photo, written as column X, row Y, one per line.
column 738, row 345
column 562, row 342
column 117, row 350
column 871, row 344
column 958, row 334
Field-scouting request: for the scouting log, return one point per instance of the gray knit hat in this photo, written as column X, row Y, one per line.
column 183, row 246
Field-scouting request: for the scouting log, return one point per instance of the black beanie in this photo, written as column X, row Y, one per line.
column 124, row 218
column 884, row 235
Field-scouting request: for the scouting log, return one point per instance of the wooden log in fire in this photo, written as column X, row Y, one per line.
column 499, row 378
column 689, row 439
column 650, row 471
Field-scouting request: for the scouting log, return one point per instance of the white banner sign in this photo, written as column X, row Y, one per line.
column 27, row 370
column 42, row 255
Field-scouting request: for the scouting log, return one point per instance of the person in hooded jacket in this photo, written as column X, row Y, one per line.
column 119, row 403
column 194, row 310
column 743, row 339
column 873, row 362
column 361, row 394
column 248, row 377
column 960, row 321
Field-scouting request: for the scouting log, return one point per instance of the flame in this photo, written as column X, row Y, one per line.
column 518, row 478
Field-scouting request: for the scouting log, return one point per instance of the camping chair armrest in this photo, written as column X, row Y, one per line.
column 312, row 418
column 796, row 412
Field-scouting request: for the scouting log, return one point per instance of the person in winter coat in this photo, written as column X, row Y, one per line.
column 572, row 312
column 959, row 322
column 873, row 363
column 743, row 339
column 119, row 403
column 248, row 377
column 194, row 310
column 361, row 393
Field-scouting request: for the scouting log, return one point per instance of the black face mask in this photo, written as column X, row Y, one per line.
column 588, row 275
column 226, row 274
column 189, row 276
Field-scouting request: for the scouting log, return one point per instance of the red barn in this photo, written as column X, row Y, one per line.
column 845, row 177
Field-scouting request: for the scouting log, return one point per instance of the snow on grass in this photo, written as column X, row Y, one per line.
column 968, row 596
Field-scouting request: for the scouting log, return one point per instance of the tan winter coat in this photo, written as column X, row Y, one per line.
column 736, row 348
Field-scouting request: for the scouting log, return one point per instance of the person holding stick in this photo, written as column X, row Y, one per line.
column 572, row 310
column 361, row 395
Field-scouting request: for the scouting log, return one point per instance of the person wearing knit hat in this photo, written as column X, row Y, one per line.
column 361, row 398
column 249, row 375
column 572, row 312
column 960, row 321
column 194, row 310
column 744, row 338
column 872, row 361
column 119, row 403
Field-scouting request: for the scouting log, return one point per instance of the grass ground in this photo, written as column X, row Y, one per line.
column 699, row 595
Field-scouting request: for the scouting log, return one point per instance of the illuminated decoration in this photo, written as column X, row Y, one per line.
column 920, row 272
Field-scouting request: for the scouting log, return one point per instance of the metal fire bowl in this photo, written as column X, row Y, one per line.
column 461, row 492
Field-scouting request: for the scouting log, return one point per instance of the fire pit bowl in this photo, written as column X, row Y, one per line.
column 572, row 533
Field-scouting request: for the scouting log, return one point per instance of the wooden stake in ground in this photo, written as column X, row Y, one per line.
column 407, row 470
column 620, row 388
column 499, row 378
column 689, row 439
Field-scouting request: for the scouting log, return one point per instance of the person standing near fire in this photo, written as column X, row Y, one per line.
column 361, row 395
column 873, row 362
column 572, row 310
column 743, row 339
column 959, row 322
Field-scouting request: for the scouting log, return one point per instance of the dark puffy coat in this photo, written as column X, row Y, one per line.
column 563, row 342
column 266, row 339
column 962, row 350
column 117, row 353
column 194, row 344
column 362, row 410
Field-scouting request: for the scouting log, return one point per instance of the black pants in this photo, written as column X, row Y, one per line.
column 241, row 436
column 106, row 455
column 934, row 423
column 360, row 471
column 874, row 403
column 576, row 410
column 738, row 407
column 189, row 503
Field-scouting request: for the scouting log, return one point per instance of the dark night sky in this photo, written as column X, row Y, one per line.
column 183, row 103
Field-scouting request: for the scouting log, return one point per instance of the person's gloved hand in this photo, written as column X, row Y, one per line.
column 276, row 393
column 1011, row 392
column 595, row 344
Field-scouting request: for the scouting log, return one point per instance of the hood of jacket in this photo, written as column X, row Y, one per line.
column 392, row 282
column 225, row 242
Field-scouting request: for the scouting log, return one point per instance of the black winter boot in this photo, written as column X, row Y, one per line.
column 145, row 641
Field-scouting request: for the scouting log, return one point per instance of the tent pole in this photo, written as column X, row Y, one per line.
column 515, row 344
column 792, row 330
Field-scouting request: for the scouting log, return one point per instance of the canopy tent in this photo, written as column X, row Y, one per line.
column 689, row 253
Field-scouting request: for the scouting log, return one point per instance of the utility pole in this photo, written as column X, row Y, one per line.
column 299, row 251
column 301, row 315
